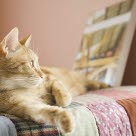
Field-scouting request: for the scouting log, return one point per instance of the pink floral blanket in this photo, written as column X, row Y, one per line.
column 114, row 110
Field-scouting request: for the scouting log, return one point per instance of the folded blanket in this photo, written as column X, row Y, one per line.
column 7, row 128
column 29, row 128
column 111, row 118
column 108, row 112
column 130, row 107
column 85, row 123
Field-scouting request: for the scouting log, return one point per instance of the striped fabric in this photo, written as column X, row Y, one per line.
column 29, row 128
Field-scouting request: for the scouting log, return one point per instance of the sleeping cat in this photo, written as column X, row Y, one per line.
column 24, row 85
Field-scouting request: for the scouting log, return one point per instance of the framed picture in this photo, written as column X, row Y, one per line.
column 106, row 43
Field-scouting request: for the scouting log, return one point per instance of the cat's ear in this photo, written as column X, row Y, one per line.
column 26, row 41
column 10, row 42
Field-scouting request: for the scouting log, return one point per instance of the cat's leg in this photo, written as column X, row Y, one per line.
column 57, row 116
column 93, row 85
column 36, row 110
column 63, row 118
column 60, row 92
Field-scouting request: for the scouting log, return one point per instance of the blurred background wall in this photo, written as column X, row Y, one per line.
column 56, row 26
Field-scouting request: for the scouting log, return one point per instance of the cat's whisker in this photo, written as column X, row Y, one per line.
column 25, row 79
column 33, row 45
column 37, row 51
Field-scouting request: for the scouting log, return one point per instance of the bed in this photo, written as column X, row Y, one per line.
column 108, row 112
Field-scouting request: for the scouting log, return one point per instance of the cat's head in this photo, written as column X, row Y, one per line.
column 19, row 67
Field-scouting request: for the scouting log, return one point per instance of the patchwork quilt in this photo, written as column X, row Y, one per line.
column 108, row 112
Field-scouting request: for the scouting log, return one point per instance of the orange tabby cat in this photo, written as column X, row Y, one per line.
column 24, row 85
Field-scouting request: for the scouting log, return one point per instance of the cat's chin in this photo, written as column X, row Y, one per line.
column 38, row 83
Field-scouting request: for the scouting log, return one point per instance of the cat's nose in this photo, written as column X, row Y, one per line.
column 41, row 76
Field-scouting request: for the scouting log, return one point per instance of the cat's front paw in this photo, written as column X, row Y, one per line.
column 103, row 85
column 66, row 122
column 98, row 85
column 63, row 99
